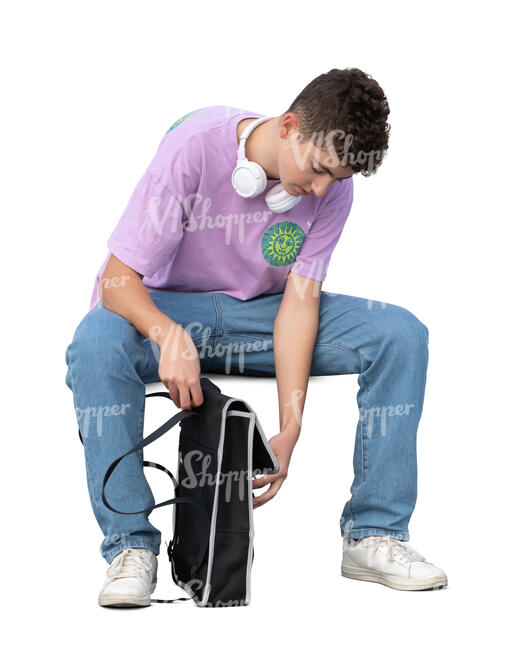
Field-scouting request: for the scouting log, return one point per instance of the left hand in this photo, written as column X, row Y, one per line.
column 282, row 445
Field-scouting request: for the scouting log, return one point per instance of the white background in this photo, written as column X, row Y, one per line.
column 88, row 90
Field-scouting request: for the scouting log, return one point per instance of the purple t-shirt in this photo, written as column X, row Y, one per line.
column 186, row 229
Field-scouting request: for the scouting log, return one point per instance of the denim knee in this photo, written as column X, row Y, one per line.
column 403, row 326
column 101, row 338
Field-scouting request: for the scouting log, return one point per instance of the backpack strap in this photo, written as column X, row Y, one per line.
column 181, row 415
column 149, row 463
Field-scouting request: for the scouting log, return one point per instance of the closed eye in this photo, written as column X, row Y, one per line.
column 321, row 171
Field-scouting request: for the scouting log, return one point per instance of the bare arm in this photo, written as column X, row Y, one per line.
column 295, row 332
column 294, row 335
column 122, row 291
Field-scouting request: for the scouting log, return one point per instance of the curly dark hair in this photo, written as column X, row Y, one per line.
column 351, row 103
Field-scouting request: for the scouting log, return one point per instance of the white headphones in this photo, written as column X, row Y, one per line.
column 249, row 178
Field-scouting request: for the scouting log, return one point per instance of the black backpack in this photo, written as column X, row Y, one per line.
column 221, row 447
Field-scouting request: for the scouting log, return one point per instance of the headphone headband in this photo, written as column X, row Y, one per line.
column 249, row 178
column 241, row 154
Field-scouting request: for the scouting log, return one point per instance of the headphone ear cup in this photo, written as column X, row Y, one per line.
column 279, row 200
column 248, row 179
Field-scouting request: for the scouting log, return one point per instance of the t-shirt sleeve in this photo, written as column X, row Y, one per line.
column 150, row 229
column 332, row 212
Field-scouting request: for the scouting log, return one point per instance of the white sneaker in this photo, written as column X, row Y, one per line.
column 131, row 579
column 390, row 562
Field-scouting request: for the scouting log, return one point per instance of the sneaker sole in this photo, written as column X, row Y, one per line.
column 123, row 600
column 356, row 573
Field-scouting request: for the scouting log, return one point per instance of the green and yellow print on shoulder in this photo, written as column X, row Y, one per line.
column 281, row 243
column 184, row 117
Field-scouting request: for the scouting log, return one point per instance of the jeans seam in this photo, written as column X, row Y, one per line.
column 363, row 430
column 88, row 475
column 141, row 430
column 219, row 316
column 364, row 425
column 248, row 336
column 341, row 347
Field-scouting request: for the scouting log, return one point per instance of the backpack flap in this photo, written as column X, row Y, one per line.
column 264, row 460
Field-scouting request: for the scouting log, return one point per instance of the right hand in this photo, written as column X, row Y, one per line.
column 179, row 368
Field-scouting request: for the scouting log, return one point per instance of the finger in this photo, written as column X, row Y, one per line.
column 268, row 494
column 185, row 398
column 260, row 482
column 173, row 392
column 197, row 395
column 261, row 499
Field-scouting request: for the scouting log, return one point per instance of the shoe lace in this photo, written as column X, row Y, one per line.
column 396, row 550
column 129, row 564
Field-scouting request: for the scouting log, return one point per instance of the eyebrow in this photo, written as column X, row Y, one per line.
column 329, row 171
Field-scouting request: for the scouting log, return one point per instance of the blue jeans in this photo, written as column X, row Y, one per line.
column 109, row 362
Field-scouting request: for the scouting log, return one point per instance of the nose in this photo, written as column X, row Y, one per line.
column 319, row 187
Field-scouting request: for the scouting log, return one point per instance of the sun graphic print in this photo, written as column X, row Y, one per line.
column 184, row 117
column 281, row 243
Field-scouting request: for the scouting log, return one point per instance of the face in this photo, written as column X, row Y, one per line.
column 304, row 165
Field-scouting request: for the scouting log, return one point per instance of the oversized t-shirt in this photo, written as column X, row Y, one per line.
column 186, row 229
